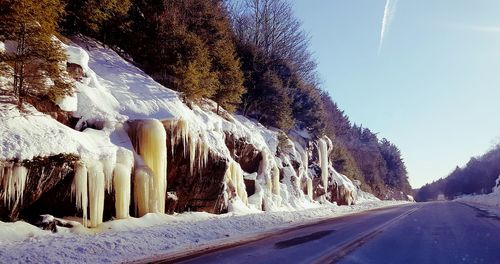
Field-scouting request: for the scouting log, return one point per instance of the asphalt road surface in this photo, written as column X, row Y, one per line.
column 437, row 232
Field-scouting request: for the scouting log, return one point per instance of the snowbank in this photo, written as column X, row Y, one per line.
column 154, row 234
column 491, row 199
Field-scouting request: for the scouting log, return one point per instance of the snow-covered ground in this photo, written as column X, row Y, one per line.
column 153, row 235
column 492, row 199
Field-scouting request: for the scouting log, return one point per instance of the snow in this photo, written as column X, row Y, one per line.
column 492, row 199
column 31, row 133
column 489, row 203
column 152, row 235
column 68, row 103
column 112, row 92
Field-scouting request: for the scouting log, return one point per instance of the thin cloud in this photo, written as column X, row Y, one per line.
column 485, row 29
column 389, row 11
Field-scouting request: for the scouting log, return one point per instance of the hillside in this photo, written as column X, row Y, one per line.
column 476, row 177
column 92, row 131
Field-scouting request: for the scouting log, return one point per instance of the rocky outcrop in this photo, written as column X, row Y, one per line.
column 46, row 106
column 243, row 152
column 44, row 175
column 200, row 191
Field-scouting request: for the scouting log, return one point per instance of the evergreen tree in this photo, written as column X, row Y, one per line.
column 103, row 19
column 209, row 21
column 38, row 57
column 274, row 106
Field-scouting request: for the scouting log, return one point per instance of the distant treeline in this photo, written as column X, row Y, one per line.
column 250, row 56
column 477, row 177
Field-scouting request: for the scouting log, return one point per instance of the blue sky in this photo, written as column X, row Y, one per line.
column 434, row 88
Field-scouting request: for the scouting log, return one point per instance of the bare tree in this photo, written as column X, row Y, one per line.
column 272, row 26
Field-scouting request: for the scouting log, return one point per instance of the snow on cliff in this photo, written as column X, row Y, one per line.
column 113, row 91
column 30, row 133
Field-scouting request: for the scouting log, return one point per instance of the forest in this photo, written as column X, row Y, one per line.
column 478, row 176
column 251, row 57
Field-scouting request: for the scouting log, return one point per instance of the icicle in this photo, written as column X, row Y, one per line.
column 142, row 177
column 323, row 161
column 173, row 139
column 152, row 148
column 234, row 175
column 276, row 180
column 309, row 188
column 305, row 164
column 269, row 183
column 96, row 183
column 202, row 153
column 121, row 184
column 108, row 166
column 192, row 153
column 79, row 189
column 13, row 178
column 5, row 183
column 183, row 133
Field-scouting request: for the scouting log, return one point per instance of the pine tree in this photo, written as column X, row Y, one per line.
column 191, row 72
column 230, row 89
column 102, row 19
column 209, row 21
column 38, row 56
column 274, row 103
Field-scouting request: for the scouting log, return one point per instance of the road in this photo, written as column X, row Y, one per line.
column 437, row 232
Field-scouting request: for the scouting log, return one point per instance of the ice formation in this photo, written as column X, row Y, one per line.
column 276, row 180
column 151, row 146
column 142, row 178
column 96, row 181
column 108, row 165
column 79, row 189
column 309, row 188
column 121, row 182
column 13, row 180
column 323, row 154
column 234, row 177
column 194, row 143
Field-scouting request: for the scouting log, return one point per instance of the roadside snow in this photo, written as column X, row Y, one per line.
column 491, row 199
column 154, row 234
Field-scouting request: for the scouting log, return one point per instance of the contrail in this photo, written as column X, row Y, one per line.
column 389, row 10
